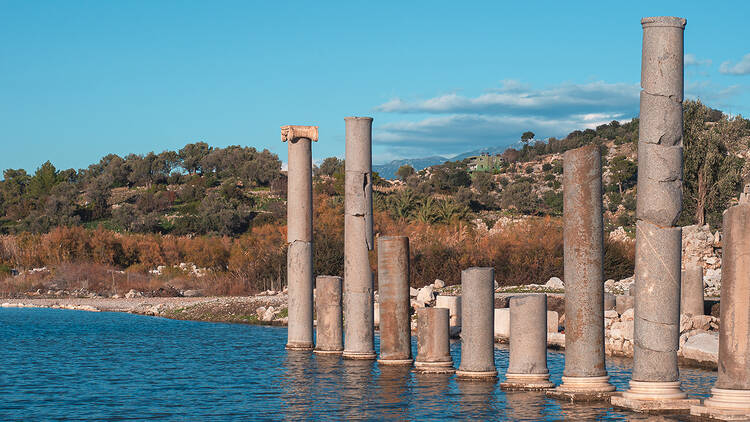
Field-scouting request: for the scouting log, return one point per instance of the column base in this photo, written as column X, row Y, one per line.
column 526, row 382
column 395, row 362
column 300, row 346
column 725, row 405
column 654, row 397
column 583, row 389
column 434, row 367
column 328, row 352
column 476, row 375
column 359, row 355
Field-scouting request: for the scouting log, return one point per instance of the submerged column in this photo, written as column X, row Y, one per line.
column 299, row 235
column 692, row 289
column 433, row 341
column 477, row 324
column 655, row 381
column 393, row 290
column 359, row 339
column 527, row 363
column 730, row 396
column 329, row 336
column 585, row 375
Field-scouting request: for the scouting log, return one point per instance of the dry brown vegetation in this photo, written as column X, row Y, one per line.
column 108, row 262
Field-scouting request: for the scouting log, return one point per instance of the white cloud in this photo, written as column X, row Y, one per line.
column 692, row 60
column 740, row 68
column 515, row 98
column 458, row 123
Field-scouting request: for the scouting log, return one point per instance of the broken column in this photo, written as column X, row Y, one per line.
column 433, row 341
column 585, row 375
column 299, row 235
column 691, row 301
column 329, row 339
column 477, row 324
column 527, row 362
column 655, row 381
column 393, row 291
column 730, row 396
column 359, row 338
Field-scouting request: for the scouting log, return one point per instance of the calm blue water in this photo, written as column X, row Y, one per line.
column 72, row 365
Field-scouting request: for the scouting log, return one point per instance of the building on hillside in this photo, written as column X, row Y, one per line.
column 486, row 162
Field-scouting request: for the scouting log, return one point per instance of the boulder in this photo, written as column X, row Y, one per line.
column 425, row 294
column 438, row 284
column 702, row 347
column 133, row 294
column 413, row 292
column 555, row 283
column 260, row 311
column 269, row 314
column 453, row 304
column 192, row 293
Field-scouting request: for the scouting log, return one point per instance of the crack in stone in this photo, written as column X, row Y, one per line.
column 655, row 253
column 670, row 97
column 655, row 322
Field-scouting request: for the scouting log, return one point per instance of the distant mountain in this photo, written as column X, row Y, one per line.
column 388, row 171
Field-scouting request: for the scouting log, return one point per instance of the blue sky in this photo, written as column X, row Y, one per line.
column 81, row 79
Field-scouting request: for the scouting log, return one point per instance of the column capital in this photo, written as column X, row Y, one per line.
column 664, row 21
column 292, row 132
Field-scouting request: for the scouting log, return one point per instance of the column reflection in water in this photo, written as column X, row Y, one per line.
column 478, row 399
column 298, row 393
column 525, row 405
column 394, row 396
column 356, row 389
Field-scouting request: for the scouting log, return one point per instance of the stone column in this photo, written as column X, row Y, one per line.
column 585, row 375
column 329, row 338
column 477, row 324
column 655, row 382
column 691, row 302
column 299, row 235
column 393, row 288
column 527, row 363
column 359, row 338
column 433, row 342
column 730, row 396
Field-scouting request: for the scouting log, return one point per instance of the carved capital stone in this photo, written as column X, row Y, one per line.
column 292, row 132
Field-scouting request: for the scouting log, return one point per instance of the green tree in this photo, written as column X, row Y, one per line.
column 192, row 155
column 330, row 166
column 405, row 171
column 527, row 136
column 711, row 171
column 44, row 179
column 622, row 171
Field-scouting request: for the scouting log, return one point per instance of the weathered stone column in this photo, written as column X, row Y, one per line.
column 585, row 375
column 478, row 324
column 655, row 382
column 393, row 288
column 329, row 338
column 299, row 235
column 433, row 341
column 527, row 363
column 692, row 289
column 730, row 396
column 359, row 338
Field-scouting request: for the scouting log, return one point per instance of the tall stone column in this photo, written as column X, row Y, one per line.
column 730, row 396
column 692, row 289
column 655, row 382
column 527, row 362
column 477, row 324
column 393, row 288
column 585, row 375
column 329, row 336
column 433, row 341
column 359, row 338
column 299, row 235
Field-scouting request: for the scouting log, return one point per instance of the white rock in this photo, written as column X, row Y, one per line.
column 192, row 293
column 611, row 314
column 439, row 284
column 554, row 283
column 133, row 294
column 627, row 315
column 502, row 322
column 453, row 304
column 413, row 292
column 702, row 347
column 425, row 294
column 376, row 314
column 268, row 315
column 260, row 311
